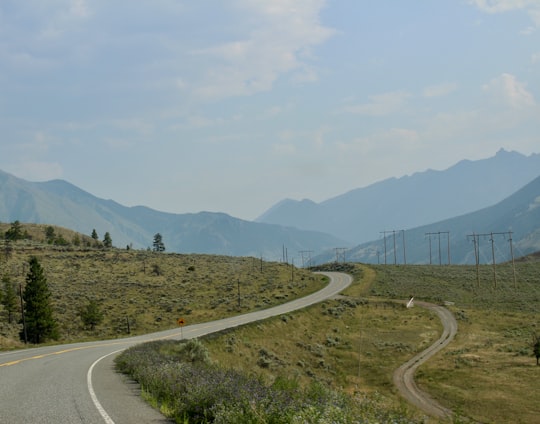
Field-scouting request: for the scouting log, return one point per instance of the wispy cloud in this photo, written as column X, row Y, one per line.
column 439, row 90
column 531, row 7
column 380, row 104
column 509, row 91
column 279, row 42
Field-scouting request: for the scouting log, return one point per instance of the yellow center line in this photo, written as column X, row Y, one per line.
column 59, row 352
column 73, row 349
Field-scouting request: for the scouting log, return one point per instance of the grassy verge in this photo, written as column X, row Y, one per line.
column 181, row 380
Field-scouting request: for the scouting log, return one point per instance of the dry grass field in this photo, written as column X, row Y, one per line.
column 355, row 342
column 146, row 290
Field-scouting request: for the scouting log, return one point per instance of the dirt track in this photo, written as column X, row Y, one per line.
column 404, row 375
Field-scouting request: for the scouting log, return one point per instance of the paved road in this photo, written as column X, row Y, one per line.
column 76, row 383
column 404, row 375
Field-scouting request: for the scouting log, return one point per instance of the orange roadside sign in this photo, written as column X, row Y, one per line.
column 180, row 322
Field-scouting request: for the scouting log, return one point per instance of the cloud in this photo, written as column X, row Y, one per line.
column 395, row 139
column 509, row 91
column 439, row 90
column 278, row 42
column 499, row 6
column 531, row 7
column 284, row 149
column 380, row 104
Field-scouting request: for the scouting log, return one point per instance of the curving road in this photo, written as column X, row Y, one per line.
column 76, row 383
column 404, row 375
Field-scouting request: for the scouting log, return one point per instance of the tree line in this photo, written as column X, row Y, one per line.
column 16, row 233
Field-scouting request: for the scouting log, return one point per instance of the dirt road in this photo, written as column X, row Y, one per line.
column 404, row 375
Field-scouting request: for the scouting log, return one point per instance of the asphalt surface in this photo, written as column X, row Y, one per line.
column 76, row 383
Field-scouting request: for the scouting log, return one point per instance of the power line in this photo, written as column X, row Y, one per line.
column 340, row 252
column 476, row 241
column 308, row 255
column 438, row 234
column 393, row 232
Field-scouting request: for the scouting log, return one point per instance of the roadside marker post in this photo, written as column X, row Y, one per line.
column 181, row 322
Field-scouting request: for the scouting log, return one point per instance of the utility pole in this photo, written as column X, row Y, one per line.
column 384, row 232
column 476, row 239
column 384, row 235
column 308, row 255
column 512, row 255
column 394, row 243
column 430, row 261
column 404, row 249
column 493, row 256
column 340, row 251
column 394, row 236
column 438, row 234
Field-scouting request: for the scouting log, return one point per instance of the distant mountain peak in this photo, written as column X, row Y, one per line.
column 412, row 200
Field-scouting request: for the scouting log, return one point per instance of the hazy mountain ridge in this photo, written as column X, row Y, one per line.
column 58, row 202
column 410, row 201
column 516, row 218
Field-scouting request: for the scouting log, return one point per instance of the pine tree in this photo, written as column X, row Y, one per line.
column 158, row 243
column 107, row 240
column 15, row 232
column 9, row 300
column 38, row 314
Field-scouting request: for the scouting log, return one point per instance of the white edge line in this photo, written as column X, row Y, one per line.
column 97, row 404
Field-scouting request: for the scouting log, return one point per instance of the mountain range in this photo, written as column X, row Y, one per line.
column 410, row 201
column 60, row 203
column 508, row 229
column 452, row 203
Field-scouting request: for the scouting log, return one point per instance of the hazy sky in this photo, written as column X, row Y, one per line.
column 232, row 105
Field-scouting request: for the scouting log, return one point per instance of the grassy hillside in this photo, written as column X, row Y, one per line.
column 146, row 290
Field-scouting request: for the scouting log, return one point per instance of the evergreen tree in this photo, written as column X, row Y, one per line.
column 94, row 234
column 15, row 232
column 107, row 240
column 38, row 314
column 158, row 243
column 49, row 234
column 9, row 300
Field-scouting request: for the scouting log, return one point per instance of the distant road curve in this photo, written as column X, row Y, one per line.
column 404, row 375
column 76, row 383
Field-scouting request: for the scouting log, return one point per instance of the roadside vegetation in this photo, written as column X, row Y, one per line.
column 351, row 345
column 345, row 350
